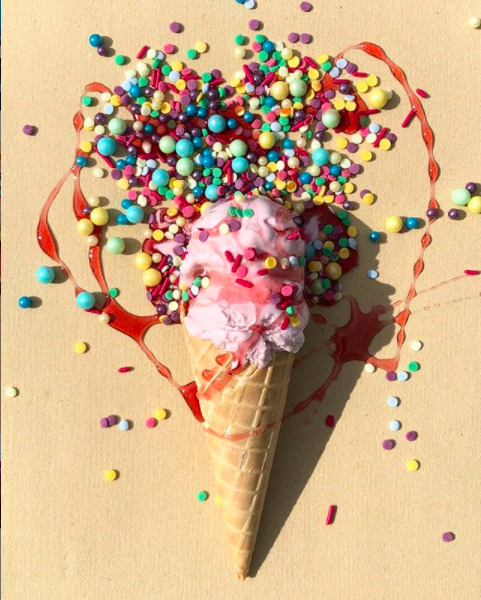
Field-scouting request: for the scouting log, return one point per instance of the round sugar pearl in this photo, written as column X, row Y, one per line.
column 216, row 123
column 412, row 223
column 111, row 475
column 143, row 260
column 238, row 148
column 25, row 302
column 416, row 346
column 95, row 40
column 86, row 300
column 461, row 196
column 369, row 368
column 279, row 90
column 99, row 216
column 115, row 245
column 160, row 414
column 297, row 88
column 474, row 205
column 151, row 423
column 151, row 277
column 453, row 213
column 45, row 275
column 394, row 224
column 167, row 144
column 202, row 496
column 85, row 227
column 11, row 392
column 474, row 22
column 378, row 98
column 117, row 126
column 106, row 146
column 331, row 118
column 267, row 140
column 134, row 214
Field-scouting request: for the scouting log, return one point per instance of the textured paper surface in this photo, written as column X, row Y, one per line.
column 67, row 533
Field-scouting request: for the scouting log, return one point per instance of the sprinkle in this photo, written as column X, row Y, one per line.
column 254, row 24
column 448, row 536
column 471, row 272
column 293, row 37
column 411, row 436
column 402, row 376
column 29, row 129
column 112, row 420
column 305, row 38
column 412, row 465
column 285, row 323
column 250, row 254
column 11, row 392
column 422, row 93
column 224, row 229
column 414, row 366
column 229, row 256
column 236, row 264
column 331, row 513
column 330, row 421
column 104, row 423
column 416, row 346
column 392, row 401
column 142, row 52
column 151, row 423
column 124, row 425
column 111, row 475
column 244, row 283
column 270, row 262
column 395, row 425
column 262, row 272
column 160, row 414
column 372, row 274
column 409, row 118
column 369, row 368
column 391, row 376
column 388, row 444
column 202, row 496
column 474, row 22
column 80, row 347
column 175, row 27
column 125, row 369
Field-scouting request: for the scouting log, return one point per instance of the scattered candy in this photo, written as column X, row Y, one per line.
column 402, row 376
column 111, row 475
column 85, row 300
column 306, row 6
column 453, row 214
column 372, row 274
column 412, row 223
column 160, row 414
column 151, row 423
column 80, row 348
column 474, row 205
column 369, row 368
column 474, row 22
column 29, row 129
column 395, row 425
column 412, row 465
column 461, row 197
column 388, row 444
column 45, row 275
column 11, row 392
column 202, row 496
column 331, row 513
column 394, row 224
column 416, row 346
column 25, row 302
column 448, row 536
column 414, row 366
column 411, row 436
column 95, row 40
column 374, row 236
column 125, row 369
column 124, row 425
column 393, row 401
column 330, row 421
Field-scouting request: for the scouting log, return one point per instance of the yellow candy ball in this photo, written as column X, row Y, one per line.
column 412, row 465
column 143, row 260
column 99, row 216
column 270, row 262
column 111, row 475
column 394, row 224
column 85, row 227
column 80, row 347
column 160, row 414
column 267, row 140
column 151, row 277
column 378, row 98
column 474, row 205
column 280, row 90
column 334, row 270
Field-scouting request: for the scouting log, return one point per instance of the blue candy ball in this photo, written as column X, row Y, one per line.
column 81, row 161
column 216, row 123
column 240, row 164
column 134, row 214
column 374, row 236
column 202, row 112
column 135, row 91
column 191, row 109
column 25, row 302
column 412, row 223
column 335, row 170
column 45, row 275
column 211, row 192
column 126, row 204
column 86, row 300
column 95, row 40
column 122, row 220
column 160, row 177
column 106, row 146
column 231, row 124
column 305, row 178
column 320, row 157
column 184, row 148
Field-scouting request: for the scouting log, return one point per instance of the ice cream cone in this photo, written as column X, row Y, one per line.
column 239, row 410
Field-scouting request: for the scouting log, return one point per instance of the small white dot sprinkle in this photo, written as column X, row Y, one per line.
column 369, row 368
column 416, row 346
column 402, row 376
column 395, row 425
column 393, row 401
column 11, row 392
column 372, row 274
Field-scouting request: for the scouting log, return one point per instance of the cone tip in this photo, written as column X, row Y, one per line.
column 241, row 575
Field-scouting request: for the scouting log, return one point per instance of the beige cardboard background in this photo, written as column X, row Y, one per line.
column 67, row 534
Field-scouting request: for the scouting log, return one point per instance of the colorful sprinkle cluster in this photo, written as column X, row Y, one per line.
column 191, row 139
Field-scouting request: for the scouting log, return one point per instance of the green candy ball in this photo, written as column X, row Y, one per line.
column 238, row 148
column 184, row 166
column 115, row 245
column 461, row 197
column 167, row 144
column 317, row 288
column 331, row 118
column 297, row 88
column 117, row 126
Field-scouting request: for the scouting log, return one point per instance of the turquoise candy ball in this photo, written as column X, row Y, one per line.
column 216, row 123
column 106, row 146
column 331, row 118
column 461, row 197
column 240, row 164
column 86, row 300
column 297, row 88
column 167, row 144
column 115, row 245
column 134, row 214
column 238, row 148
column 45, row 275
column 117, row 126
column 212, row 192
column 184, row 166
column 160, row 177
column 320, row 157
column 184, row 148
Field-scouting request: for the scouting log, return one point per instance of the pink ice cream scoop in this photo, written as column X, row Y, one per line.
column 244, row 274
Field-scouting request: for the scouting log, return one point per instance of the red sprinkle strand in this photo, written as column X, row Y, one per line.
column 409, row 118
column 237, row 262
column 422, row 93
column 142, row 52
column 331, row 514
column 125, row 369
column 229, row 256
column 244, row 283
column 285, row 323
column 262, row 272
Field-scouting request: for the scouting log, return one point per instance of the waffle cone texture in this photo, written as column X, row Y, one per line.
column 238, row 410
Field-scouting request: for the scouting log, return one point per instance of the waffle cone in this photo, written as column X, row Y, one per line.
column 240, row 406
